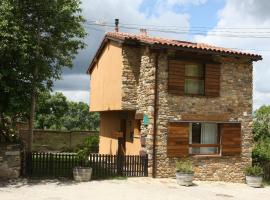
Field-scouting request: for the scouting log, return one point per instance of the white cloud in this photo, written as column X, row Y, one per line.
column 129, row 12
column 75, row 85
column 246, row 14
column 184, row 2
column 77, row 96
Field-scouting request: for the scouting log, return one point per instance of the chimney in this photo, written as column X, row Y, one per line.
column 143, row 32
column 116, row 28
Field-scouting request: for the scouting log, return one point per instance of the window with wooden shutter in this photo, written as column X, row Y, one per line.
column 176, row 77
column 178, row 139
column 212, row 80
column 230, row 139
column 193, row 78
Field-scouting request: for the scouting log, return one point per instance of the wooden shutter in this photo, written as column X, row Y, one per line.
column 212, row 80
column 176, row 77
column 230, row 139
column 178, row 139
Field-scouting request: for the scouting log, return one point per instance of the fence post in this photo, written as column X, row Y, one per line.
column 120, row 162
column 145, row 162
column 28, row 164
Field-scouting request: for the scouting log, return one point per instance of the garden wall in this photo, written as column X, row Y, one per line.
column 52, row 140
column 10, row 161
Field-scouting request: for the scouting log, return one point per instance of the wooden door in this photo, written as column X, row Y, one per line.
column 122, row 140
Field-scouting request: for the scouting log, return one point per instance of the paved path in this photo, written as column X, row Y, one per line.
column 130, row 189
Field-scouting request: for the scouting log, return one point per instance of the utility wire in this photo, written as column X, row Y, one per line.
column 177, row 27
column 90, row 25
column 188, row 32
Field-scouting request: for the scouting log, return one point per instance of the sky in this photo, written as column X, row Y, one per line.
column 208, row 21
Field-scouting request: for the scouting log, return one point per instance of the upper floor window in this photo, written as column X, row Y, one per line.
column 194, row 79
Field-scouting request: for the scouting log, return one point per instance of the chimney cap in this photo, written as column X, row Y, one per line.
column 143, row 31
column 116, row 28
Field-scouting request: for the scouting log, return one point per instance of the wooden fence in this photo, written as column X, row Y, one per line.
column 55, row 165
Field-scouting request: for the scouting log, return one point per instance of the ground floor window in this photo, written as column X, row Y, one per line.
column 203, row 138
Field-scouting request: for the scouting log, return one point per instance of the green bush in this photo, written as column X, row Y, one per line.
column 261, row 151
column 184, row 166
column 90, row 145
column 254, row 171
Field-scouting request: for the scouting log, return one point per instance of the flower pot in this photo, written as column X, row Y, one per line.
column 254, row 181
column 82, row 174
column 185, row 179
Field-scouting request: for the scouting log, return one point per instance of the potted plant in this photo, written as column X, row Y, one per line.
column 84, row 172
column 184, row 172
column 254, row 176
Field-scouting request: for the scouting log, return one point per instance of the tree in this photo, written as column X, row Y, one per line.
column 50, row 110
column 14, row 79
column 48, row 34
column 54, row 111
column 261, row 134
column 78, row 117
column 261, row 124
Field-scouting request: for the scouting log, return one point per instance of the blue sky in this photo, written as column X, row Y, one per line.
column 214, row 14
column 205, row 14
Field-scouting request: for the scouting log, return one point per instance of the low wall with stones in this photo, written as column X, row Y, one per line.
column 53, row 140
column 10, row 161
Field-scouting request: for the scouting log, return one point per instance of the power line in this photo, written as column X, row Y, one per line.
column 231, row 34
column 177, row 27
column 256, row 50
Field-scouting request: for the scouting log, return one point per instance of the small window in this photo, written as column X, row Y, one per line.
column 203, row 138
column 194, row 79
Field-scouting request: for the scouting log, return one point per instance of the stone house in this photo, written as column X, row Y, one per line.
column 174, row 99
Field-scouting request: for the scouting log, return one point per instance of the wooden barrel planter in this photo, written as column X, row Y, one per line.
column 184, row 179
column 254, row 181
column 82, row 174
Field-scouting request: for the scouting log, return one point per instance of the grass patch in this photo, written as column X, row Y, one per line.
column 266, row 182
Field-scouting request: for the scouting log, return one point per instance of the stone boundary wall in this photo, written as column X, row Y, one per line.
column 10, row 161
column 56, row 141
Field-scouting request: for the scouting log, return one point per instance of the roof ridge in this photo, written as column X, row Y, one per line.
column 180, row 43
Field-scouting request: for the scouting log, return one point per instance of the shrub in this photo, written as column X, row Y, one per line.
column 254, row 171
column 261, row 151
column 90, row 145
column 184, row 166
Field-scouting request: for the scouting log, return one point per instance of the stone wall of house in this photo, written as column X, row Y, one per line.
column 130, row 79
column 235, row 101
column 145, row 101
column 10, row 161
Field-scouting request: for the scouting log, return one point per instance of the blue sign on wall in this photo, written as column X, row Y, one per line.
column 145, row 120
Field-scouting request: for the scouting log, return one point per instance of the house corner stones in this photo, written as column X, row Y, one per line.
column 10, row 161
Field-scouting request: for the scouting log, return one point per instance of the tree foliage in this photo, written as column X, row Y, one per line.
column 261, row 134
column 54, row 111
column 261, row 151
column 37, row 39
column 261, row 125
column 90, row 145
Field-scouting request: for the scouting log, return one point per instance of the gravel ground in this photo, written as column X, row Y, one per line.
column 129, row 189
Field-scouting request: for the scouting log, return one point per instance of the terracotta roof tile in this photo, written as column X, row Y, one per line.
column 178, row 43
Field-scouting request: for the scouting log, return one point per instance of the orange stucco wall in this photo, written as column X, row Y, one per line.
column 110, row 122
column 106, row 79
